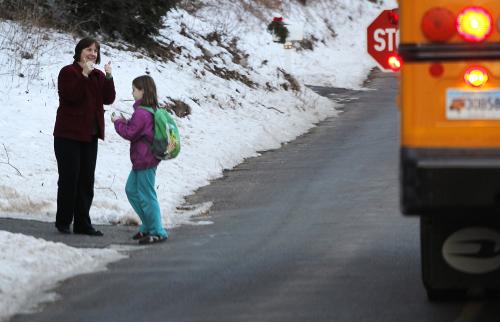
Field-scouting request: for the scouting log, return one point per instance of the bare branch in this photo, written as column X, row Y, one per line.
column 274, row 108
column 109, row 188
column 8, row 161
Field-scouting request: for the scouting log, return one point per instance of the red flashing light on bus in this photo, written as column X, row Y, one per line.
column 438, row 24
column 474, row 24
column 476, row 76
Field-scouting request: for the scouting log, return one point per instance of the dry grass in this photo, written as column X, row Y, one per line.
column 254, row 7
column 26, row 40
column 178, row 107
column 271, row 4
column 292, row 82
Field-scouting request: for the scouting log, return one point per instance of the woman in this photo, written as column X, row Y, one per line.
column 83, row 90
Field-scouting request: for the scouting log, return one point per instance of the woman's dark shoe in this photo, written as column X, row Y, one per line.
column 139, row 235
column 63, row 230
column 90, row 232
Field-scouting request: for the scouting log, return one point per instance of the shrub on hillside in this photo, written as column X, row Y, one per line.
column 130, row 20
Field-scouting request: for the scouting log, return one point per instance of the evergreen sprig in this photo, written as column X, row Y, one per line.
column 279, row 29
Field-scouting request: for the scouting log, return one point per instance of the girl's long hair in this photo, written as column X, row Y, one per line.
column 147, row 84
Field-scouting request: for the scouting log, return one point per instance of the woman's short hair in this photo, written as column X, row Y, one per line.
column 147, row 84
column 84, row 43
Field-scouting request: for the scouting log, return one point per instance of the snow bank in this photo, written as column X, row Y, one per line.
column 33, row 266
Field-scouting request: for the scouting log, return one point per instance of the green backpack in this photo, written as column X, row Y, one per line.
column 166, row 141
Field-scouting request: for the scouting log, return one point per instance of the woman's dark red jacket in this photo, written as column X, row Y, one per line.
column 80, row 115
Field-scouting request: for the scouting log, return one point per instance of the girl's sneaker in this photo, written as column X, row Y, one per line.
column 151, row 239
column 139, row 235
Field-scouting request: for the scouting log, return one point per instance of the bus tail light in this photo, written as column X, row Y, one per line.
column 474, row 24
column 436, row 70
column 476, row 76
column 438, row 24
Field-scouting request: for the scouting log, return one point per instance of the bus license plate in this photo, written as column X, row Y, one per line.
column 472, row 105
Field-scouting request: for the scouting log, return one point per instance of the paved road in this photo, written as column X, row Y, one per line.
column 309, row 232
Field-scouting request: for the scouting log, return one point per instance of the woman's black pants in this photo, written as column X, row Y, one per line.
column 76, row 163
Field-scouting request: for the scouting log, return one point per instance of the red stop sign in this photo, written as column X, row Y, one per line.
column 382, row 37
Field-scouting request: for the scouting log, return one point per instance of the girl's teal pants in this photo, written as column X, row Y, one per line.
column 141, row 194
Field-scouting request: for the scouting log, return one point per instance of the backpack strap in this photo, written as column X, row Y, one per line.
column 152, row 111
column 147, row 108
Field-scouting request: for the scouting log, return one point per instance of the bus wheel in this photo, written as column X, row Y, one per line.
column 431, row 241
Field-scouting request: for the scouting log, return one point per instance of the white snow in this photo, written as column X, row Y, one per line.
column 30, row 267
column 230, row 121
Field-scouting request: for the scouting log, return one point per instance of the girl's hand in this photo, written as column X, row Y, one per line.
column 108, row 70
column 171, row 146
column 115, row 117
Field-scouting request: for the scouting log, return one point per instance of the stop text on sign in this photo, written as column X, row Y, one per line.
column 385, row 39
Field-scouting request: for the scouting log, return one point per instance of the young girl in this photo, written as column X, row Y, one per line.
column 140, row 187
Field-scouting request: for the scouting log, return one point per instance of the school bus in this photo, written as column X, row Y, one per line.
column 450, row 139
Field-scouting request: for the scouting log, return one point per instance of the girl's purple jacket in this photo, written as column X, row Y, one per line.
column 139, row 131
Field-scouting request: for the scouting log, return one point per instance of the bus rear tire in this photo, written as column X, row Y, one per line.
column 429, row 229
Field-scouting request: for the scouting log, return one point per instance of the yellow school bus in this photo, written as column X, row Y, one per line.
column 450, row 139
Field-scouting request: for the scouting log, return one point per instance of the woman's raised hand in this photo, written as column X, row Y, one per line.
column 88, row 66
column 108, row 70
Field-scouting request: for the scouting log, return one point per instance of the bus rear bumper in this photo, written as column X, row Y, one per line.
column 445, row 181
